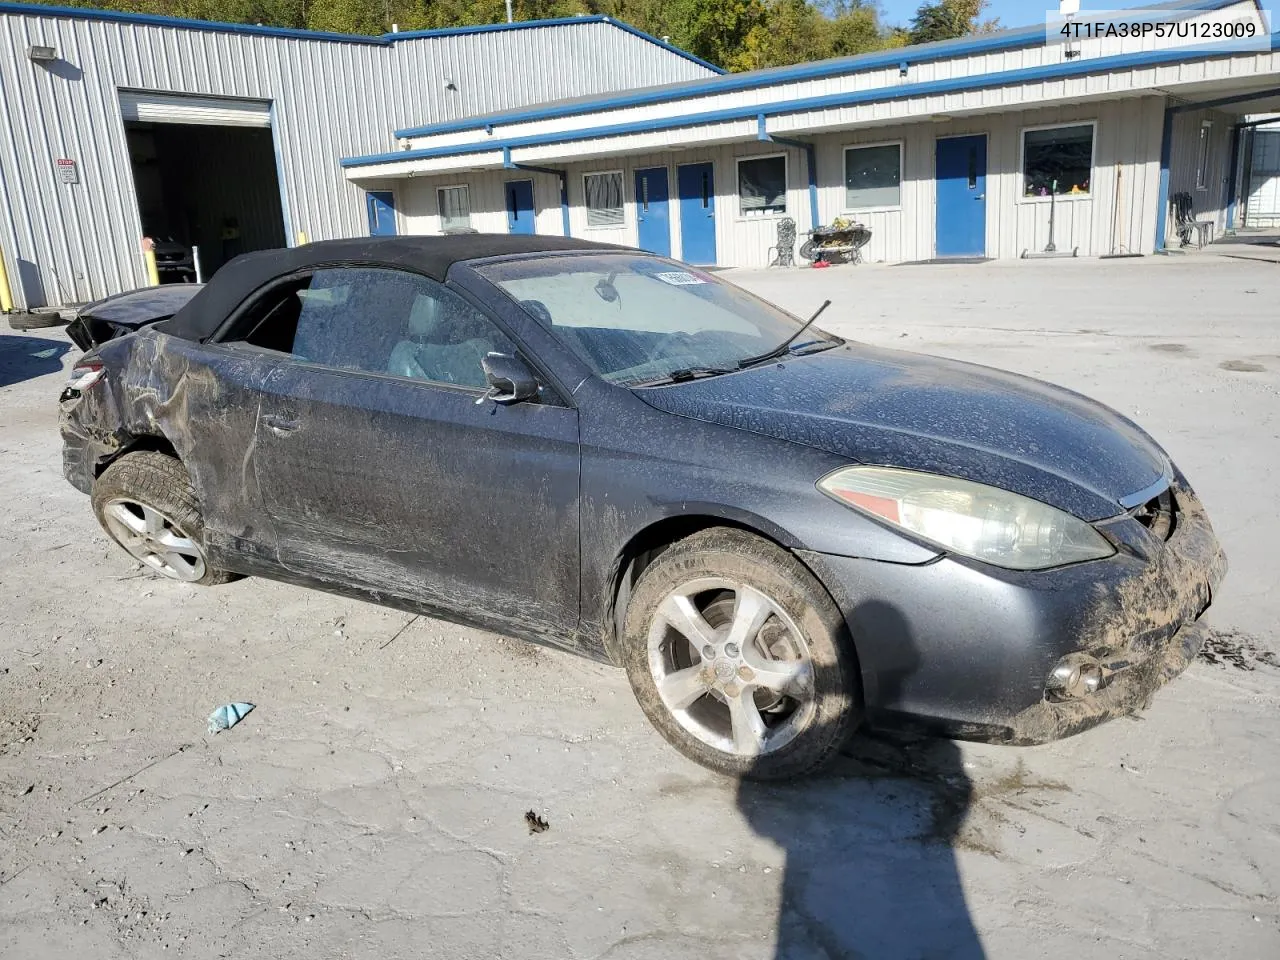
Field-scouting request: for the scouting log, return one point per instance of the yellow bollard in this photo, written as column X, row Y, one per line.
column 149, row 256
column 302, row 238
column 6, row 294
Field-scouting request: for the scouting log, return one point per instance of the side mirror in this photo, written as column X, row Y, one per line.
column 510, row 380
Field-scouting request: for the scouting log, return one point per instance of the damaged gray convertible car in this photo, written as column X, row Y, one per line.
column 779, row 533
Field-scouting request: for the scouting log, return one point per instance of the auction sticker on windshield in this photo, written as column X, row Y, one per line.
column 679, row 279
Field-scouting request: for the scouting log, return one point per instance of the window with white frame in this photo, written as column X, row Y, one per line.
column 604, row 198
column 1202, row 156
column 762, row 186
column 873, row 176
column 455, row 208
column 1057, row 160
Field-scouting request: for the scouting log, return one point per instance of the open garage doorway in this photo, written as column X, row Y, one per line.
column 204, row 172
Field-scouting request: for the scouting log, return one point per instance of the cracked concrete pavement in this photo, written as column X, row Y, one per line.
column 373, row 805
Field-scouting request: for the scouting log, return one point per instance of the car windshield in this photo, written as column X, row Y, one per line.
column 641, row 320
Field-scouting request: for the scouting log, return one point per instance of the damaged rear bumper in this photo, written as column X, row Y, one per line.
column 967, row 650
column 79, row 456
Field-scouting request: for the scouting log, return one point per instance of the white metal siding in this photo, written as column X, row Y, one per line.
column 75, row 242
column 514, row 68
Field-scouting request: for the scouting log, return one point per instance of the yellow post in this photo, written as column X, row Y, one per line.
column 149, row 256
column 6, row 294
column 302, row 238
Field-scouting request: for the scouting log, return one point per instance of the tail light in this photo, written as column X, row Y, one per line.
column 84, row 375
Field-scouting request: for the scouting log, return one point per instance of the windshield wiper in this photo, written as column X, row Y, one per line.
column 685, row 373
column 782, row 348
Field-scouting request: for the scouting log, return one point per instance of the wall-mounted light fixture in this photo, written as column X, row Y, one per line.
column 42, row 54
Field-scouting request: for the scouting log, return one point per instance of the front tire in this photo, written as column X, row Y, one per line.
column 146, row 504
column 740, row 658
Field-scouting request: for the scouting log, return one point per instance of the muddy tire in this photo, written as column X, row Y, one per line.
column 145, row 503
column 740, row 658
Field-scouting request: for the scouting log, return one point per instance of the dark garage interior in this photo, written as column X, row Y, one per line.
column 214, row 187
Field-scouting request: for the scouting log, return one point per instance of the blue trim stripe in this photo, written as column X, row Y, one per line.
column 1071, row 68
column 900, row 57
column 155, row 20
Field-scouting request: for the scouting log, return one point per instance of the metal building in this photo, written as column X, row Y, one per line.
column 228, row 137
column 965, row 148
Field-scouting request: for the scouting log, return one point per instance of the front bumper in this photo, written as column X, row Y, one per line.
column 965, row 649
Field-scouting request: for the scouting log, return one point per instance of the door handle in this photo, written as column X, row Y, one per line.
column 280, row 426
column 981, row 196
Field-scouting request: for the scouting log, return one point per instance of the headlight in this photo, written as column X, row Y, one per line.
column 971, row 519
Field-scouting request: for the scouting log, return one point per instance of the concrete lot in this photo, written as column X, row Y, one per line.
column 373, row 804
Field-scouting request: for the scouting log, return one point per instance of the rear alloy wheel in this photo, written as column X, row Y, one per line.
column 740, row 658
column 145, row 502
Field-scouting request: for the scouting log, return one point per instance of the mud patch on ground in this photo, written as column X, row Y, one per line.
column 964, row 812
column 1242, row 366
column 1228, row 648
column 520, row 651
column 970, row 819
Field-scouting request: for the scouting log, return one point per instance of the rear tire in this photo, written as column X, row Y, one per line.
column 146, row 504
column 769, row 686
column 35, row 321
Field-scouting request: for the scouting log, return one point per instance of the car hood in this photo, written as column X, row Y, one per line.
column 908, row 410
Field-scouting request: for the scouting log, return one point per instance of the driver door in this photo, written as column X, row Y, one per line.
column 383, row 465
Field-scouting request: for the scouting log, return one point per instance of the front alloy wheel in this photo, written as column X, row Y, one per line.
column 730, row 666
column 740, row 658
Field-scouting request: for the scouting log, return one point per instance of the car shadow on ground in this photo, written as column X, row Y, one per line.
column 25, row 358
column 870, row 849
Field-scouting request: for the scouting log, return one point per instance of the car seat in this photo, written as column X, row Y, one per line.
column 445, row 343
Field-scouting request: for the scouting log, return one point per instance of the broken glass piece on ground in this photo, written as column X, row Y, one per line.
column 228, row 715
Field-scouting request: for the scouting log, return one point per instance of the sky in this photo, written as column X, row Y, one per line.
column 1020, row 13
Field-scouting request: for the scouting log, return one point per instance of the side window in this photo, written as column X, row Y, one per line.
column 271, row 320
column 377, row 320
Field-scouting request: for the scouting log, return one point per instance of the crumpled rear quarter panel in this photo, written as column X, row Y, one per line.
column 187, row 393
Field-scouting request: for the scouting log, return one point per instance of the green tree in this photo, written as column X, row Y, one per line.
column 948, row 19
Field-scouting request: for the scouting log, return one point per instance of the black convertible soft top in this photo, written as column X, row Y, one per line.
column 433, row 256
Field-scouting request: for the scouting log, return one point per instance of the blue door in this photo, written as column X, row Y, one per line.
column 961, row 170
column 697, row 189
column 653, row 210
column 382, row 213
column 520, row 206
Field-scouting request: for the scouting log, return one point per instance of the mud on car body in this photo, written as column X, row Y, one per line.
column 780, row 534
